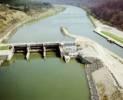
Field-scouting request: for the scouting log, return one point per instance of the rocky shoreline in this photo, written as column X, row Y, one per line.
column 89, row 69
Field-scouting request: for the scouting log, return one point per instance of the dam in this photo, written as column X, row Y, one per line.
column 62, row 49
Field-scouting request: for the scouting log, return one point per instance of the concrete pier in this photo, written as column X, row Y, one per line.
column 28, row 53
column 66, row 58
column 44, row 51
column 11, row 53
column 61, row 51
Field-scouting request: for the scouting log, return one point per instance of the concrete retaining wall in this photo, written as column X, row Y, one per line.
column 90, row 68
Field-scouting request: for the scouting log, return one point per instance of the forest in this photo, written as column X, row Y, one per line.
column 13, row 1
column 110, row 12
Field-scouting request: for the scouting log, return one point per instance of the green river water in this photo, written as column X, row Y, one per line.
column 39, row 79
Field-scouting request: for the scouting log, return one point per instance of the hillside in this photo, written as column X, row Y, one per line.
column 12, row 17
column 111, row 12
column 9, row 17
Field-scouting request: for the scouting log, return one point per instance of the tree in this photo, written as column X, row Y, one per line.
column 110, row 12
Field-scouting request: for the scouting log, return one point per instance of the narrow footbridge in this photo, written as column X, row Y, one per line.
column 27, row 48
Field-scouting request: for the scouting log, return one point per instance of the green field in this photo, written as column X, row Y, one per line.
column 115, row 37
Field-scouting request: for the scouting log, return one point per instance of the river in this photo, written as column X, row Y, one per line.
column 50, row 78
column 40, row 79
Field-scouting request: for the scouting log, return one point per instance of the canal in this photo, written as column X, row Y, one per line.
column 50, row 78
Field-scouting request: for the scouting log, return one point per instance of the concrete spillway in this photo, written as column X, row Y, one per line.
column 43, row 48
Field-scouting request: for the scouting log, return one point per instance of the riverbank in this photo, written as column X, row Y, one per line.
column 107, row 78
column 112, row 34
column 105, row 71
column 24, row 18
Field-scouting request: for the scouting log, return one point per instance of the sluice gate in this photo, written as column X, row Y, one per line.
column 42, row 48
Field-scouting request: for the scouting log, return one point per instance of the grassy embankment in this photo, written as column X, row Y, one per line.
column 108, row 35
column 115, row 37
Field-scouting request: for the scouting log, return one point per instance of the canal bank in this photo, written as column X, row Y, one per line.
column 111, row 34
